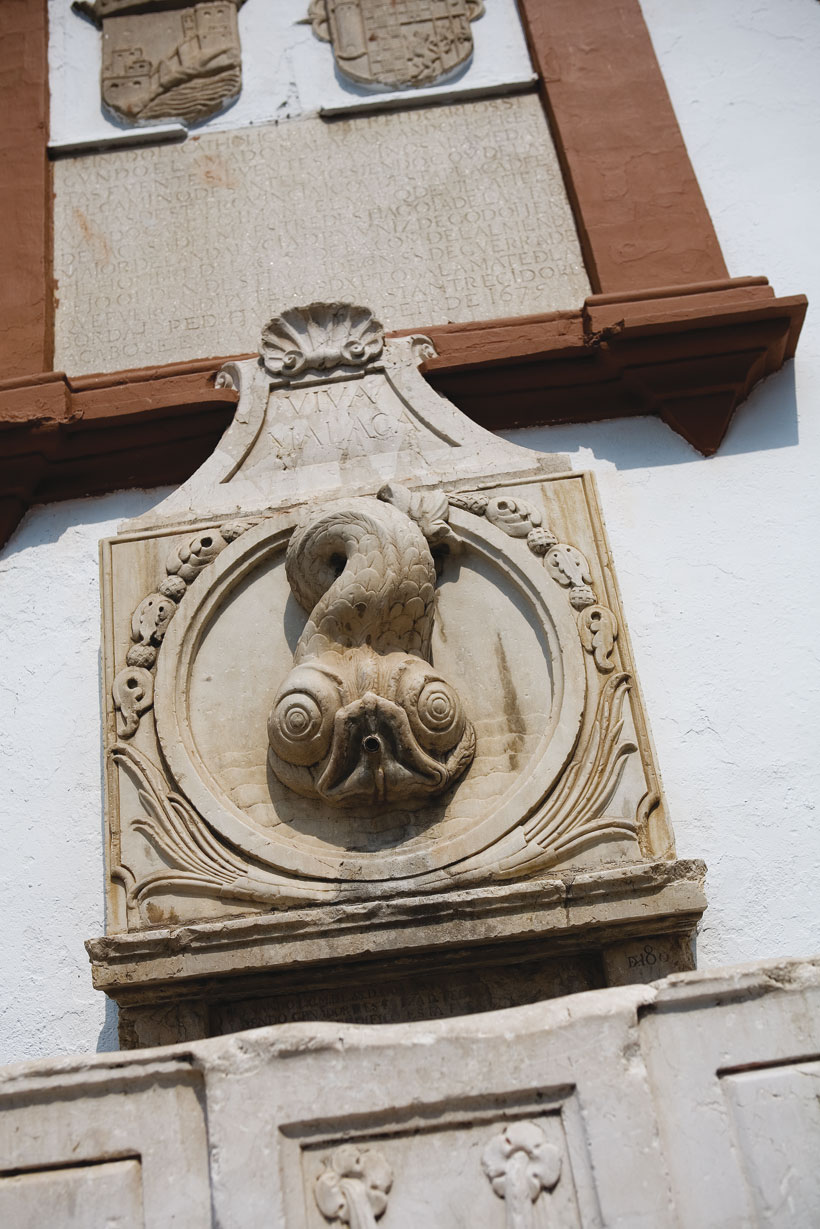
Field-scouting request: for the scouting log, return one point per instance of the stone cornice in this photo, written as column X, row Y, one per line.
column 688, row 355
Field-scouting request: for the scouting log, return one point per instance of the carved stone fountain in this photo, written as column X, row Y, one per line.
column 374, row 747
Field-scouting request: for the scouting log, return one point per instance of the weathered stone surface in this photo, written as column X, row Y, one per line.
column 737, row 1093
column 412, row 43
column 420, row 958
column 363, row 718
column 74, row 1197
column 98, row 1144
column 444, row 929
column 167, row 61
column 599, row 1108
column 379, row 991
column 648, row 959
column 466, row 218
column 369, row 704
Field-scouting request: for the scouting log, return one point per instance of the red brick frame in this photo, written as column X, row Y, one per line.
column 666, row 333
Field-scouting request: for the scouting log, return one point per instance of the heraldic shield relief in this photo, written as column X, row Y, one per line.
column 167, row 61
column 396, row 43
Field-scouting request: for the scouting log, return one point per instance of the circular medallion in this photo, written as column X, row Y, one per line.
column 504, row 637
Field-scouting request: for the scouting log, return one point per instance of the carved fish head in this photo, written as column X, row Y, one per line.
column 356, row 727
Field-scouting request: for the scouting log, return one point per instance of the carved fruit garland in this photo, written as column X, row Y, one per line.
column 133, row 688
column 597, row 625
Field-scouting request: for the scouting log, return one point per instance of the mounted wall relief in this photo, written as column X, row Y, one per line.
column 436, row 51
column 373, row 739
column 167, row 59
column 387, row 45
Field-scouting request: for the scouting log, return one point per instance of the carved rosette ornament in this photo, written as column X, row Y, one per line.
column 353, row 1187
column 522, row 1168
column 167, row 59
column 396, row 44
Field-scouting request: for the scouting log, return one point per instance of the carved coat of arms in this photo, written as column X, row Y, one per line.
column 166, row 59
column 396, row 43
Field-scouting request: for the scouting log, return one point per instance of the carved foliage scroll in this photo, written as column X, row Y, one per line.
column 192, row 856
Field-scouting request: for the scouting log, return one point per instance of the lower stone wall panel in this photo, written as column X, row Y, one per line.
column 595, row 1109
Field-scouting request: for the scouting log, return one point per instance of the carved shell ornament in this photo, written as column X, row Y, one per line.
column 363, row 718
column 320, row 337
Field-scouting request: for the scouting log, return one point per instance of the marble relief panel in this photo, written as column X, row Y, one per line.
column 514, row 1170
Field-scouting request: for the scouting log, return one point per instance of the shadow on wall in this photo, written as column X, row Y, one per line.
column 108, row 1038
column 48, row 523
column 767, row 420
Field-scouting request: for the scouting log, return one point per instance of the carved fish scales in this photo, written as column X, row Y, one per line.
column 384, row 595
column 363, row 717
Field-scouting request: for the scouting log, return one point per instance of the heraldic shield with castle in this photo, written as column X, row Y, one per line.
column 165, row 59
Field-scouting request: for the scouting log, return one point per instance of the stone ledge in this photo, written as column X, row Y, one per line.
column 636, row 1100
column 565, row 914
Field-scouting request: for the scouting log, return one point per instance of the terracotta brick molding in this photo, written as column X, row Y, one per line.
column 25, row 190
column 688, row 354
column 689, row 357
column 639, row 211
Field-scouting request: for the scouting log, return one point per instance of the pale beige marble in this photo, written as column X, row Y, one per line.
column 446, row 213
column 690, row 1103
column 367, row 669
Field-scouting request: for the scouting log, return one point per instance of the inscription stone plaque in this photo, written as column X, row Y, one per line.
column 432, row 215
column 370, row 712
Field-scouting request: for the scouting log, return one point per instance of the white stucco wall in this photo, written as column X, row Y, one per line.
column 716, row 558
column 51, row 871
column 716, row 561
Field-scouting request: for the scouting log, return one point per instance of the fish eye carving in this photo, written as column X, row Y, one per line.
column 301, row 723
column 364, row 718
column 434, row 710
